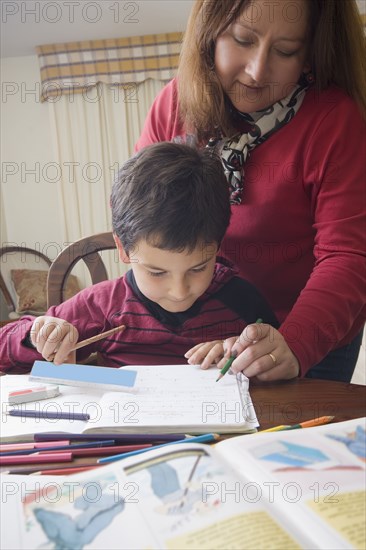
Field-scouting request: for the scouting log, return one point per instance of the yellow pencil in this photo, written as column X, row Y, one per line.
column 306, row 424
column 275, row 429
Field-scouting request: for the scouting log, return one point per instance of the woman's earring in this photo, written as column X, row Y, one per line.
column 310, row 78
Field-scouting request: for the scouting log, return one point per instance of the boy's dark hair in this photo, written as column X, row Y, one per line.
column 172, row 196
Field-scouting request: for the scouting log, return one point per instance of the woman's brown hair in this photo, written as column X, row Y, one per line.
column 336, row 52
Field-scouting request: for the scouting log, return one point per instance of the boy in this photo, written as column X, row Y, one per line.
column 170, row 210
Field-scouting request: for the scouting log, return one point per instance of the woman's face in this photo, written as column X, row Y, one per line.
column 261, row 55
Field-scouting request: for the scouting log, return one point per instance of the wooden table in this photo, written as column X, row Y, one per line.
column 293, row 401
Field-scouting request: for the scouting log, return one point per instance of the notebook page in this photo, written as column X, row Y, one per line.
column 71, row 399
column 180, row 397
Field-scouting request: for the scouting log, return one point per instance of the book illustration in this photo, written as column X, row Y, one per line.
column 290, row 454
column 72, row 516
column 173, row 483
column 67, row 532
column 355, row 441
column 165, row 485
column 184, row 492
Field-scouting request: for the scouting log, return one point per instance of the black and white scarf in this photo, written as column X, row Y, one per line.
column 234, row 151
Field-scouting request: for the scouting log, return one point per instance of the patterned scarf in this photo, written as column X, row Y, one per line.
column 234, row 151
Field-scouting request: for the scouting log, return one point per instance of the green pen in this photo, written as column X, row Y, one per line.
column 229, row 362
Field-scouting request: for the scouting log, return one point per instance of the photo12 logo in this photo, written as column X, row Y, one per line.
column 70, row 12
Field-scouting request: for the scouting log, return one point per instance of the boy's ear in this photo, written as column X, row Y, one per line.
column 123, row 256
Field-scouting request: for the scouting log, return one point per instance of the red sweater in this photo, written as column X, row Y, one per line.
column 299, row 234
column 153, row 336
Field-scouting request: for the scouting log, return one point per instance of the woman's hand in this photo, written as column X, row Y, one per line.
column 206, row 353
column 54, row 338
column 262, row 352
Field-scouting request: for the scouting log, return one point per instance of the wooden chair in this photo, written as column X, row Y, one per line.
column 18, row 257
column 86, row 250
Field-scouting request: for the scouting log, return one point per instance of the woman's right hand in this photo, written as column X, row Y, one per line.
column 262, row 352
column 54, row 339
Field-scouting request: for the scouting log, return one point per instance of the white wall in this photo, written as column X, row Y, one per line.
column 361, row 5
column 28, row 195
column 29, row 216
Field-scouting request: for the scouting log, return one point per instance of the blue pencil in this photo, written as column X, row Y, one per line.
column 120, row 438
column 205, row 438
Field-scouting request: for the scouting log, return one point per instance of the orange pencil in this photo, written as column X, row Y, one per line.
column 98, row 337
column 94, row 339
column 310, row 423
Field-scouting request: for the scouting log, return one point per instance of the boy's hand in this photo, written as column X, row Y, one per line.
column 54, row 338
column 206, row 353
column 262, row 352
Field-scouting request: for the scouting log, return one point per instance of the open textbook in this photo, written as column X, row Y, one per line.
column 280, row 490
column 169, row 398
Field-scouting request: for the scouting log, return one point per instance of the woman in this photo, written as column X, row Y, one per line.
column 279, row 90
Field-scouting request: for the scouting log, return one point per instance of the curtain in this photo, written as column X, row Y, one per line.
column 73, row 67
column 94, row 133
column 98, row 94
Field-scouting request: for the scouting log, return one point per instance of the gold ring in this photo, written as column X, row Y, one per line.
column 273, row 357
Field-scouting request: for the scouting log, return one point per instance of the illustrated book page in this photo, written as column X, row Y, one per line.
column 294, row 489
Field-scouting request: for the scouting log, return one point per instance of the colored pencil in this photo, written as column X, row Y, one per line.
column 231, row 359
column 306, row 424
column 65, row 471
column 118, row 437
column 94, row 339
column 47, row 467
column 205, row 438
column 36, row 458
column 226, row 367
column 8, row 447
column 57, row 415
column 275, row 429
column 108, row 451
column 311, row 423
column 98, row 337
column 71, row 448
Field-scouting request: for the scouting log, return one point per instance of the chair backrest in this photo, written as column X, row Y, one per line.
column 18, row 257
column 85, row 249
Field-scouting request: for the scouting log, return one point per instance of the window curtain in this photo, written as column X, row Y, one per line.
column 98, row 96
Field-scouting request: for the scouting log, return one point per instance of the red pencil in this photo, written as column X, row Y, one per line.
column 65, row 471
column 103, row 451
column 36, row 458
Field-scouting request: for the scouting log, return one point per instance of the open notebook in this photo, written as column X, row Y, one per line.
column 169, row 398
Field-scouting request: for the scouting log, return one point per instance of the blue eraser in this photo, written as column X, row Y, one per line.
column 83, row 375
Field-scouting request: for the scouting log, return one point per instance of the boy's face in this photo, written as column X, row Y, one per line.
column 174, row 280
